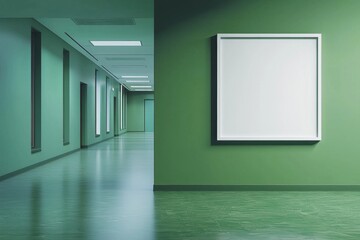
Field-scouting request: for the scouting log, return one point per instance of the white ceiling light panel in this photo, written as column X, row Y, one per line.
column 116, row 43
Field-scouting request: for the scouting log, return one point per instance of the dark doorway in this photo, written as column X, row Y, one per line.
column 83, row 112
column 116, row 130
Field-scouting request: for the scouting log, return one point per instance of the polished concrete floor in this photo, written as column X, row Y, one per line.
column 105, row 192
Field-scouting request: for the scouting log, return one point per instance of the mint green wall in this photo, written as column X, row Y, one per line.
column 149, row 115
column 183, row 150
column 15, row 131
column 135, row 110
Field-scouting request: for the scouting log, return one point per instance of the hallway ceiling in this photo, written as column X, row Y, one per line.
column 118, row 61
column 82, row 21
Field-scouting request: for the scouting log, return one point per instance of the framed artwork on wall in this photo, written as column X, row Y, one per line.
column 268, row 87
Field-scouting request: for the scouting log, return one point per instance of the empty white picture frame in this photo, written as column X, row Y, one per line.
column 268, row 87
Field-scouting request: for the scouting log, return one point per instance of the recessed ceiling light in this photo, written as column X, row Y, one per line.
column 116, row 43
column 134, row 76
column 141, row 86
column 137, row 81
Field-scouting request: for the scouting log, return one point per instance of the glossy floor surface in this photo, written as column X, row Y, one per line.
column 105, row 192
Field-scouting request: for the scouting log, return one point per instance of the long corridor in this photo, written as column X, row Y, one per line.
column 100, row 192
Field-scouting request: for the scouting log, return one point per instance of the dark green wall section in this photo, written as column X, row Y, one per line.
column 183, row 151
column 66, row 97
column 35, row 90
column 15, row 96
column 136, row 110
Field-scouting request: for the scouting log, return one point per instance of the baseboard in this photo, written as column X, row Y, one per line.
column 256, row 187
column 90, row 145
column 25, row 169
column 122, row 132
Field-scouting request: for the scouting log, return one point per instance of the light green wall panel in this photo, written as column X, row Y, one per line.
column 14, row 94
column 15, row 131
column 135, row 111
column 183, row 150
column 149, row 115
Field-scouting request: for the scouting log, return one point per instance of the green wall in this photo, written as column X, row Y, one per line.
column 183, row 151
column 15, row 104
column 135, row 110
column 149, row 115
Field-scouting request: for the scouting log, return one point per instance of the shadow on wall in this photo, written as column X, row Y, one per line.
column 187, row 9
column 213, row 106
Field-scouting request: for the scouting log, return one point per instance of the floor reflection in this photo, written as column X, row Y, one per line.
column 96, row 193
column 36, row 208
column 105, row 192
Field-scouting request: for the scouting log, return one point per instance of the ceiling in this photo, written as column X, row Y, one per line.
column 79, row 22
column 117, row 61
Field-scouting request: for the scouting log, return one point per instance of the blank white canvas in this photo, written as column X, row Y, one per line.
column 268, row 87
